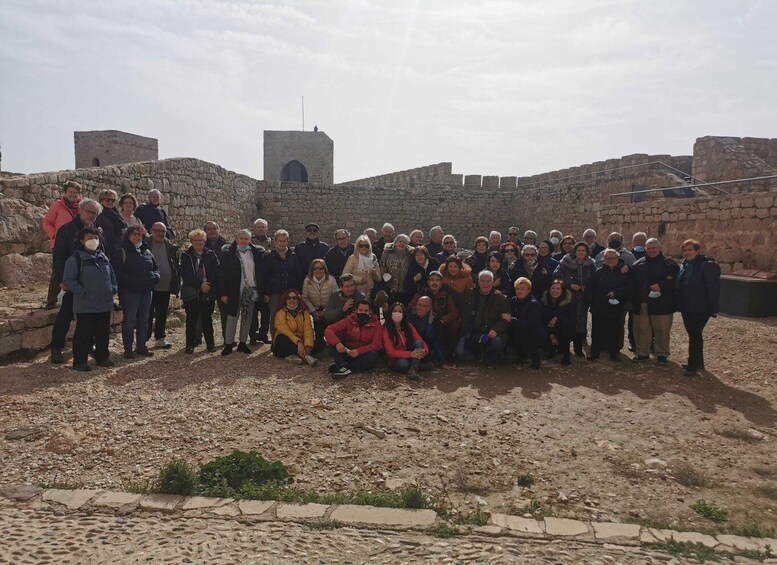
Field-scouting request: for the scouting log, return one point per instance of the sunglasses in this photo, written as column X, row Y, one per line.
column 109, row 200
column 363, row 245
column 529, row 254
column 318, row 268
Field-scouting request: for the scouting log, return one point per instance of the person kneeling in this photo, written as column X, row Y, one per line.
column 293, row 331
column 559, row 317
column 404, row 347
column 525, row 318
column 355, row 340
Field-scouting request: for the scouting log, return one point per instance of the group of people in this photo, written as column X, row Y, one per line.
column 422, row 303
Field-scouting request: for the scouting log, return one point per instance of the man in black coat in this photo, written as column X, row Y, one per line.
column 655, row 277
column 311, row 248
column 386, row 236
column 338, row 255
column 64, row 247
column 152, row 212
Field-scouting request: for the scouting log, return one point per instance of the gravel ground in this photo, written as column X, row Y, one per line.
column 601, row 441
column 50, row 538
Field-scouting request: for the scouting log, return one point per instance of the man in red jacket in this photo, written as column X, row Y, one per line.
column 355, row 340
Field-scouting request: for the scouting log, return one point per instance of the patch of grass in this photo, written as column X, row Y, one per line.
column 769, row 491
column 177, row 477
column 709, row 510
column 692, row 550
column 443, row 530
column 751, row 531
column 325, row 525
column 476, row 518
column 146, row 486
column 525, row 480
column 758, row 555
column 239, row 468
column 688, row 476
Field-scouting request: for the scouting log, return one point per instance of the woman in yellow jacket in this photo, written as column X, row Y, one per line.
column 294, row 331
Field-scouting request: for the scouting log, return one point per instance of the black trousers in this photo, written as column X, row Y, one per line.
column 91, row 329
column 564, row 337
column 607, row 334
column 694, row 325
column 53, row 292
column 283, row 347
column 62, row 322
column 318, row 327
column 202, row 312
column 258, row 331
column 526, row 344
column 157, row 314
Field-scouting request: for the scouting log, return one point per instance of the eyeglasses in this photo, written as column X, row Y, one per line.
column 529, row 254
column 509, row 251
column 364, row 245
column 288, row 298
column 318, row 268
column 449, row 243
column 109, row 200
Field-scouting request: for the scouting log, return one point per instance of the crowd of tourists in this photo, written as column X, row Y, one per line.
column 414, row 302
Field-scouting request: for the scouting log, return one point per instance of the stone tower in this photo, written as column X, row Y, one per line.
column 111, row 147
column 299, row 156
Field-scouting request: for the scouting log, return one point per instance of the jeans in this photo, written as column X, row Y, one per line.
column 404, row 365
column 360, row 364
column 202, row 312
column 694, row 325
column 62, row 322
column 91, row 329
column 157, row 314
column 491, row 352
column 136, row 308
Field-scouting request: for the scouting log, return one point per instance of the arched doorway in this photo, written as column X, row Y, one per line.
column 95, row 162
column 294, row 171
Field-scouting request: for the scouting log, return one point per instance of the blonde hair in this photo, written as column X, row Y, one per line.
column 522, row 281
column 197, row 233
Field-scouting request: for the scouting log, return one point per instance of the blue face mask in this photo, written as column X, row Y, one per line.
column 639, row 248
column 242, row 249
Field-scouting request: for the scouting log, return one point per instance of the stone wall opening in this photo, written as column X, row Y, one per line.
column 294, row 171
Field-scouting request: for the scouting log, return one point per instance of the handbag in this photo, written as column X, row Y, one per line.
column 188, row 293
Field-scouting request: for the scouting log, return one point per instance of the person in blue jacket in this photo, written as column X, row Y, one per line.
column 697, row 299
column 88, row 275
column 525, row 318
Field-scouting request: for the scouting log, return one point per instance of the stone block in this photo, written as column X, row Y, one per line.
column 516, row 523
column 23, row 270
column 72, row 499
column 254, row 507
column 21, row 493
column 739, row 542
column 199, row 502
column 694, row 537
column 114, row 499
column 229, row 509
column 36, row 339
column 565, row 527
column 488, row 530
column 10, row 344
column 161, row 502
column 605, row 530
column 490, row 182
column 472, row 181
column 508, row 183
column 41, row 318
column 301, row 511
column 358, row 514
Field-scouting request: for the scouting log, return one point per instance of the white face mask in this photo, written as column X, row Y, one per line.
column 554, row 240
column 92, row 244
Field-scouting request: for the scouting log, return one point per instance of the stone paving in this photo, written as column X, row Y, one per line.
column 90, row 526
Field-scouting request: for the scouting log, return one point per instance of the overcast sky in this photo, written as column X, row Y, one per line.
column 498, row 88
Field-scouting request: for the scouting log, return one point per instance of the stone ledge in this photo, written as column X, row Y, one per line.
column 116, row 499
column 72, row 499
column 288, row 511
column 373, row 515
column 161, row 502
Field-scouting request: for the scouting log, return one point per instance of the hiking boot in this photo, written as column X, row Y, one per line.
column 662, row 360
column 56, row 356
column 162, row 343
column 243, row 348
column 144, row 351
column 227, row 349
column 82, row 367
column 212, row 348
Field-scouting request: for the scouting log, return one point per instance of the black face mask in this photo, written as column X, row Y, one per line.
column 362, row 319
column 614, row 244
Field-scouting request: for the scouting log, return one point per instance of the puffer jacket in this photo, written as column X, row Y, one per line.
column 540, row 278
column 113, row 226
column 297, row 327
column 363, row 339
column 572, row 272
column 659, row 270
column 562, row 309
column 59, row 214
column 136, row 271
column 316, row 295
column 526, row 315
column 396, row 264
column 365, row 280
column 281, row 274
column 604, row 281
column 400, row 349
column 477, row 262
column 90, row 277
column 461, row 282
column 698, row 286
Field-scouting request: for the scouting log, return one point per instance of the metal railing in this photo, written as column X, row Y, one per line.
column 699, row 185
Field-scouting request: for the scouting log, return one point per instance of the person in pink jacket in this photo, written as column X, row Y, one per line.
column 62, row 211
column 403, row 345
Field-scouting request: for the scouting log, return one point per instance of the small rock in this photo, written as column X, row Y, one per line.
column 482, row 431
column 755, row 434
column 655, row 463
column 443, row 418
column 380, row 434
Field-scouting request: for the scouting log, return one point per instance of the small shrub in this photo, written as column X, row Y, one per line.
column 752, row 531
column 239, row 468
column 709, row 510
column 478, row 517
column 412, row 497
column 692, row 550
column 145, row 486
column 758, row 555
column 525, row 480
column 443, row 530
column 688, row 476
column 177, row 477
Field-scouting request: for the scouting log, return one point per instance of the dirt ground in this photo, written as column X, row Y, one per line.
column 599, row 440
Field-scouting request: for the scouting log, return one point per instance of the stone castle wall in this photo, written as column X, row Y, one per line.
column 438, row 174
column 724, row 158
column 194, row 191
column 113, row 147
column 314, row 149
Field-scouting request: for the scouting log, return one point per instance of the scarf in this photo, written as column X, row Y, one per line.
column 365, row 263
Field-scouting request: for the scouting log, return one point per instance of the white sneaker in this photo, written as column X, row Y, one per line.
column 162, row 343
column 310, row 360
column 294, row 360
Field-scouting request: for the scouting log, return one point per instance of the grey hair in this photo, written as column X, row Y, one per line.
column 530, row 233
column 653, row 240
column 261, row 221
column 589, row 231
column 343, row 230
column 387, row 225
column 529, row 246
column 155, row 191
column 435, row 229
column 610, row 250
column 493, row 233
column 486, row 273
column 85, row 201
column 244, row 231
column 280, row 232
column 402, row 237
column 639, row 233
column 449, row 237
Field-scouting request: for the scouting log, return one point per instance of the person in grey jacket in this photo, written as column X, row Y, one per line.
column 343, row 302
column 615, row 241
column 89, row 276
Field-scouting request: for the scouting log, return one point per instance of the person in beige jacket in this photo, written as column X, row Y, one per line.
column 363, row 265
column 317, row 287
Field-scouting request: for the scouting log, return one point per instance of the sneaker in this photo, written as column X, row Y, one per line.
column 662, row 360
column 227, row 349
column 56, row 356
column 82, row 367
column 294, row 360
column 162, row 343
column 310, row 360
column 639, row 358
column 144, row 351
column 381, row 298
column 189, row 350
column 333, row 367
column 106, row 363
column 254, row 340
column 130, row 355
column 212, row 348
column 341, row 372
column 243, row 348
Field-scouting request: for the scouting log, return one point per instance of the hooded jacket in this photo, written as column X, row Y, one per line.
column 363, row 339
column 136, row 270
column 461, row 282
column 563, row 310
column 297, row 327
column 540, row 278
column 91, row 279
column 65, row 244
column 399, row 349
column 113, row 226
